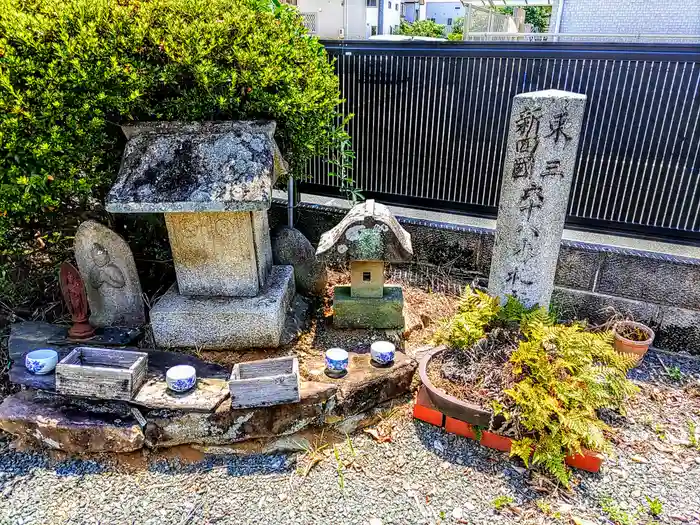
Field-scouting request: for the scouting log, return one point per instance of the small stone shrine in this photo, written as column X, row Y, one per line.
column 107, row 266
column 543, row 138
column 213, row 181
column 367, row 237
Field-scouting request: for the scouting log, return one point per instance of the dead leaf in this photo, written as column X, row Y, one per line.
column 377, row 436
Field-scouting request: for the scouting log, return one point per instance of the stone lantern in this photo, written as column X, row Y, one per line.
column 367, row 237
column 213, row 181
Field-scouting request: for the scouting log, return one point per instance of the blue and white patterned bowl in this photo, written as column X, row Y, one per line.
column 42, row 361
column 337, row 361
column 382, row 352
column 181, row 378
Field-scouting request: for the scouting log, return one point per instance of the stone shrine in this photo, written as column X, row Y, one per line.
column 107, row 266
column 367, row 237
column 543, row 138
column 213, row 181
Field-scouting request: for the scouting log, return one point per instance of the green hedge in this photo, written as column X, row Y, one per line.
column 72, row 71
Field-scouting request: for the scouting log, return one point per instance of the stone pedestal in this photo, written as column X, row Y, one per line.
column 385, row 312
column 543, row 138
column 223, row 323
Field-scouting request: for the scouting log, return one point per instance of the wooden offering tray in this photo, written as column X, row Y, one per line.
column 265, row 383
column 102, row 373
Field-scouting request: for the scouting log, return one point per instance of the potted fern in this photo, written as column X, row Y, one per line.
column 523, row 375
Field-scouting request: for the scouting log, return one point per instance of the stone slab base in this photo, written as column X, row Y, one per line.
column 368, row 312
column 85, row 426
column 225, row 323
column 51, row 422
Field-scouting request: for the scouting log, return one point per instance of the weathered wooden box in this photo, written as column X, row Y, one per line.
column 265, row 383
column 104, row 373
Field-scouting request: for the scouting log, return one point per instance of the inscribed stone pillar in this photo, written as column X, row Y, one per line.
column 543, row 138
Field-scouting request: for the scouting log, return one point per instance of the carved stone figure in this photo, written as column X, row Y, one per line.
column 112, row 284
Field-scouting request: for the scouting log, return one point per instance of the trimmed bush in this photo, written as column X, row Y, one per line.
column 72, row 71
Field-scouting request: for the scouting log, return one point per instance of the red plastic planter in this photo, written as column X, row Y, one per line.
column 425, row 410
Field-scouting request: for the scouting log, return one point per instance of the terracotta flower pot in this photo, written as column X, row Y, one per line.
column 630, row 346
column 452, row 406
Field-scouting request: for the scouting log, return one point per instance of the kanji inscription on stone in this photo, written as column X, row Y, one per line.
column 543, row 137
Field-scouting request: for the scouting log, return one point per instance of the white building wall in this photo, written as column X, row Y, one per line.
column 392, row 16
column 334, row 18
column 628, row 17
column 353, row 17
column 444, row 12
column 329, row 16
column 372, row 16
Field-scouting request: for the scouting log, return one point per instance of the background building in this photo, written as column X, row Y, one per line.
column 666, row 17
column 444, row 13
column 349, row 19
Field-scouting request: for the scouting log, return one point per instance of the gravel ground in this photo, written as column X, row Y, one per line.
column 422, row 476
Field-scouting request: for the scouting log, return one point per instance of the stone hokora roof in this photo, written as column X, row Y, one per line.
column 368, row 232
column 199, row 166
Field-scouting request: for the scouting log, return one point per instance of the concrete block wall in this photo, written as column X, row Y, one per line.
column 592, row 280
column 629, row 16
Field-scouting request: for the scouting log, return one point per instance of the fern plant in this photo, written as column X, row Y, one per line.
column 476, row 310
column 559, row 376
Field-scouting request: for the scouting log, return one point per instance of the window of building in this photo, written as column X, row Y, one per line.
column 371, row 3
column 457, row 8
column 366, row 276
column 432, row 20
column 396, row 6
column 391, row 30
column 373, row 30
column 449, row 21
column 390, row 5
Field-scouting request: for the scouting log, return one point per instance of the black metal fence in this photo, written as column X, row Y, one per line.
column 431, row 120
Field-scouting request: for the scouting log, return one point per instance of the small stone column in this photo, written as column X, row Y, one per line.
column 543, row 137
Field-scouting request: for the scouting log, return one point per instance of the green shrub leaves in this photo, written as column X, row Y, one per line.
column 72, row 71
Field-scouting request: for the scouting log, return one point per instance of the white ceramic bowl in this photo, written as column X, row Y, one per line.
column 337, row 361
column 382, row 352
column 42, row 361
column 181, row 378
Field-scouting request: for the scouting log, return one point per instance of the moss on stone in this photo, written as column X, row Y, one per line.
column 368, row 312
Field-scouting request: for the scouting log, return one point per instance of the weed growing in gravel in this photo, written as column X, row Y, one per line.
column 621, row 517
column 615, row 513
column 692, row 435
column 501, row 502
column 313, row 456
column 674, row 372
column 546, row 509
column 350, row 446
column 660, row 431
column 656, row 507
column 339, row 468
